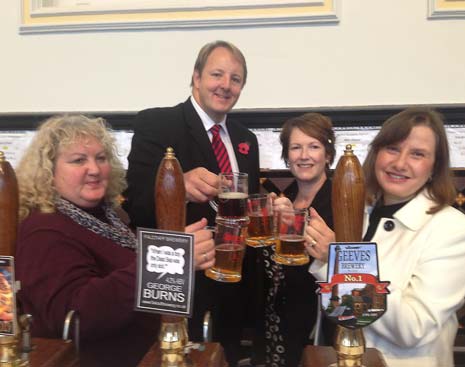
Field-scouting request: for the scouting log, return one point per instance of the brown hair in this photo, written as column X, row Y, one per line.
column 396, row 129
column 206, row 50
column 312, row 124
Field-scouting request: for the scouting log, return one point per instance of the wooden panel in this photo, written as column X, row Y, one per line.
column 52, row 353
column 212, row 356
column 316, row 356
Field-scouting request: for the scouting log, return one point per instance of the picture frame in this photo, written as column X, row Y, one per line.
column 39, row 16
column 446, row 9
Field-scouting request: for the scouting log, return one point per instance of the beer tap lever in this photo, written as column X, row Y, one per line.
column 25, row 322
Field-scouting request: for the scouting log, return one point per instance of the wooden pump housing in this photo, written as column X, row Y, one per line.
column 348, row 198
column 170, row 211
column 170, row 194
column 9, row 204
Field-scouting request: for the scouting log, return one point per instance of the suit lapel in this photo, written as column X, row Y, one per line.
column 200, row 136
column 236, row 139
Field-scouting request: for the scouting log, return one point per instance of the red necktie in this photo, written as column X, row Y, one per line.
column 220, row 150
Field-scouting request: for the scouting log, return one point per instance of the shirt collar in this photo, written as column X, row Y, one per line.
column 413, row 215
column 208, row 123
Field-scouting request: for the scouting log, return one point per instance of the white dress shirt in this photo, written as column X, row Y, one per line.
column 208, row 124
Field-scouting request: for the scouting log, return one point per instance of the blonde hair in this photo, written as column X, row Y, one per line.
column 35, row 171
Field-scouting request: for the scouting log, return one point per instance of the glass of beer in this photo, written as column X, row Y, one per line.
column 232, row 196
column 260, row 212
column 229, row 251
column 290, row 248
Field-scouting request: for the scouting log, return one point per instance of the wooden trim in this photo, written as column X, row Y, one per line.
column 129, row 15
column 252, row 118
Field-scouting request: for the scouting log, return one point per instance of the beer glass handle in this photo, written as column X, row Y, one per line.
column 210, row 228
column 213, row 205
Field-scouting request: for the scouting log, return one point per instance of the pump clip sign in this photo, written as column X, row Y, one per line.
column 165, row 272
column 353, row 296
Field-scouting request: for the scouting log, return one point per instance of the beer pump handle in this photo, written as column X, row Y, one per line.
column 170, row 204
column 170, row 194
column 10, row 345
column 9, row 204
column 348, row 198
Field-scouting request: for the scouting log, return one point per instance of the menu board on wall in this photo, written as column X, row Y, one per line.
column 270, row 146
column 13, row 143
column 456, row 137
column 358, row 137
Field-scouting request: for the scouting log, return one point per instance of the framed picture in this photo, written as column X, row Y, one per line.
column 446, row 9
column 89, row 15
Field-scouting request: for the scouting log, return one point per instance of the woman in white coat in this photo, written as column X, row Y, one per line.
column 420, row 237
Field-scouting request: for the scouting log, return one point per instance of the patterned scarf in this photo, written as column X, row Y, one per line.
column 117, row 231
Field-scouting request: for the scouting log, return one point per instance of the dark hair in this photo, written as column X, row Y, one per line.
column 315, row 125
column 206, row 50
column 396, row 129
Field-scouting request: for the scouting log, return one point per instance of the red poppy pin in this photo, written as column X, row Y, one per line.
column 244, row 148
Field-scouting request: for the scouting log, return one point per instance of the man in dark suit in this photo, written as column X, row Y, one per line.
column 219, row 75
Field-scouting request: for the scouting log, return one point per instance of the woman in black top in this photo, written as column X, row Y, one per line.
column 291, row 308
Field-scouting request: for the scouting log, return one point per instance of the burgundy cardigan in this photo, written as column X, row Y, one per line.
column 63, row 266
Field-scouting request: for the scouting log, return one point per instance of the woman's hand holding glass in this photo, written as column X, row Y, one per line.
column 318, row 236
column 281, row 203
column 204, row 246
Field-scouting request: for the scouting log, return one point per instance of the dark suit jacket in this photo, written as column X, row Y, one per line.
column 178, row 127
column 181, row 128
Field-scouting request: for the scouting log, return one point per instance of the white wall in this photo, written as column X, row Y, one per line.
column 383, row 52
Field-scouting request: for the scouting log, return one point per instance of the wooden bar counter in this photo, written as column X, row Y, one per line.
column 319, row 356
column 212, row 356
column 52, row 353
column 59, row 353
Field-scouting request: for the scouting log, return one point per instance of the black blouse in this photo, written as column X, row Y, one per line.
column 321, row 203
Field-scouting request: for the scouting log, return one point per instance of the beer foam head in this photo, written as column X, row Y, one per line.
column 233, row 195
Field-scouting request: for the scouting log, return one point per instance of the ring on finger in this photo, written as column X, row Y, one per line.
column 205, row 257
column 313, row 242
